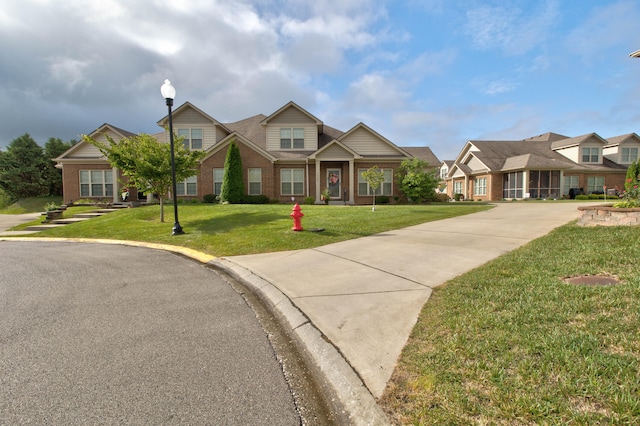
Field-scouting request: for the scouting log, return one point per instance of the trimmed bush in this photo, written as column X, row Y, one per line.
column 209, row 198
column 309, row 200
column 255, row 199
column 582, row 197
column 382, row 199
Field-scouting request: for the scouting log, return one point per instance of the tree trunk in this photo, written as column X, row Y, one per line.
column 161, row 199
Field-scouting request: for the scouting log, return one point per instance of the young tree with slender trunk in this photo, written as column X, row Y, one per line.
column 374, row 177
column 146, row 162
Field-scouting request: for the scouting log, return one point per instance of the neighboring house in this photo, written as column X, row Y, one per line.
column 544, row 166
column 288, row 155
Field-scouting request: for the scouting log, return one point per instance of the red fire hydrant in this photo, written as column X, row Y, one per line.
column 296, row 214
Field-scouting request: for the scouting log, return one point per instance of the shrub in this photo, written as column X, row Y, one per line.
column 382, row 199
column 442, row 198
column 593, row 196
column 458, row 197
column 309, row 200
column 582, row 197
column 209, row 198
column 255, row 199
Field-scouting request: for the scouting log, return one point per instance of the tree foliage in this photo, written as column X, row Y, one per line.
column 232, row 183
column 23, row 169
column 374, row 177
column 417, row 181
column 633, row 176
column 53, row 176
column 146, row 162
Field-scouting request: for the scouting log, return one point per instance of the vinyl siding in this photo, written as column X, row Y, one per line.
column 365, row 143
column 310, row 136
column 335, row 152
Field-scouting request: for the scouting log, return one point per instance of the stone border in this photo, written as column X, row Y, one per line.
column 608, row 216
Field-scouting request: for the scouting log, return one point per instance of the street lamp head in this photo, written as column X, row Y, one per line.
column 168, row 92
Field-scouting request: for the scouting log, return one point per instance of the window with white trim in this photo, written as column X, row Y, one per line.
column 480, row 186
column 385, row 188
column 591, row 155
column 291, row 138
column 595, row 184
column 255, row 181
column 457, row 187
column 218, row 176
column 629, row 155
column 444, row 170
column 192, row 138
column 292, row 182
column 189, row 186
column 513, row 185
column 96, row 183
column 570, row 182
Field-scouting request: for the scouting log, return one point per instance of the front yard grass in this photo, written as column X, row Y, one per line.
column 236, row 229
column 512, row 343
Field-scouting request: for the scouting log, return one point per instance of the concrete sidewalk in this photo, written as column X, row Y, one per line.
column 365, row 294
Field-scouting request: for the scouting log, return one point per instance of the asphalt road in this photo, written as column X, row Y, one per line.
column 101, row 334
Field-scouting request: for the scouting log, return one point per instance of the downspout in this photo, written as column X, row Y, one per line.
column 306, row 160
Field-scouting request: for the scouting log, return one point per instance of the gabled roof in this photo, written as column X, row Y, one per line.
column 332, row 143
column 507, row 155
column 569, row 142
column 363, row 126
column 106, row 127
column 548, row 137
column 188, row 105
column 292, row 104
column 617, row 140
column 423, row 153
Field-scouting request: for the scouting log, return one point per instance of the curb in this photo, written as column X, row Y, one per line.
column 348, row 393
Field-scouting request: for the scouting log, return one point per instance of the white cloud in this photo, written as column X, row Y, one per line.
column 510, row 28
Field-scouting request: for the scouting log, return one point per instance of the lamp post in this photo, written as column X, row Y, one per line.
column 168, row 93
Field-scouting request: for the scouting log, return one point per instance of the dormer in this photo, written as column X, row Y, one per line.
column 623, row 149
column 200, row 130
column 586, row 149
column 292, row 128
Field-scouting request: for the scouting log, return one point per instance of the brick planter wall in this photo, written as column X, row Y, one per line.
column 608, row 216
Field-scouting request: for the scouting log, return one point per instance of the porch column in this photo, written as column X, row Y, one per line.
column 352, row 182
column 114, row 185
column 317, row 197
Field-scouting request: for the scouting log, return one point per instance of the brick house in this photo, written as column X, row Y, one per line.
column 287, row 155
column 544, row 166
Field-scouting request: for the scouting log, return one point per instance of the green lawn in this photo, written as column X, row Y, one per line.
column 30, row 205
column 226, row 230
column 512, row 343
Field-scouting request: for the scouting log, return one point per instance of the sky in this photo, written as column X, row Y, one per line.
column 431, row 73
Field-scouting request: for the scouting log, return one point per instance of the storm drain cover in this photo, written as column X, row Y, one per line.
column 593, row 280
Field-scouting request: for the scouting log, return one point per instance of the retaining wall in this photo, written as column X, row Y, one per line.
column 608, row 216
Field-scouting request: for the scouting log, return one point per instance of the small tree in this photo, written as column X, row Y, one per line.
column 374, row 177
column 146, row 162
column 23, row 169
column 232, row 183
column 417, row 182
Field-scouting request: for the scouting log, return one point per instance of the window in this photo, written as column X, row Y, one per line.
column 189, row 186
column 480, row 186
column 255, row 181
column 192, row 138
column 444, row 170
column 629, row 155
column 292, row 182
column 544, row 184
column 457, row 187
column 570, row 182
column 218, row 176
column 291, row 138
column 595, row 184
column 512, row 185
column 96, row 183
column 385, row 188
column 590, row 155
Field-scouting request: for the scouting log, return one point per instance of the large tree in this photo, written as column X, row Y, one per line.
column 232, row 183
column 146, row 162
column 417, row 181
column 23, row 169
column 53, row 149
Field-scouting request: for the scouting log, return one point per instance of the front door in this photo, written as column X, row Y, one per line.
column 334, row 183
